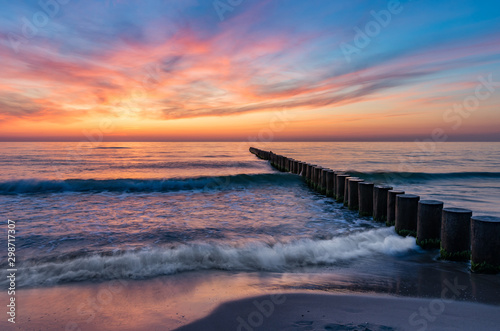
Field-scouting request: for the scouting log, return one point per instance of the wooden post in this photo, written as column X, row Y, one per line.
column 317, row 177
column 329, row 183
column 339, row 189
column 485, row 244
column 406, row 214
column 429, row 223
column 335, row 173
column 324, row 173
column 455, row 234
column 391, row 206
column 346, row 189
column 365, row 193
column 380, row 193
column 353, row 202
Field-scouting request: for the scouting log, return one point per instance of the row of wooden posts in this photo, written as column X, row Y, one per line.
column 459, row 235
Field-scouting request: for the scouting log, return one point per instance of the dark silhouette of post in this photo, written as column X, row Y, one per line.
column 353, row 202
column 391, row 206
column 485, row 257
column 340, row 186
column 406, row 214
column 346, row 189
column 329, row 183
column 380, row 193
column 365, row 193
column 324, row 180
column 429, row 223
column 455, row 234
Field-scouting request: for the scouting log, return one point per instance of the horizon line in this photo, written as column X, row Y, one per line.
column 235, row 141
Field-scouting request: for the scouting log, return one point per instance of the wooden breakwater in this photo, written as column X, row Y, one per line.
column 459, row 235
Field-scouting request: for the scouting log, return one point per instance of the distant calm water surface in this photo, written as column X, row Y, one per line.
column 139, row 210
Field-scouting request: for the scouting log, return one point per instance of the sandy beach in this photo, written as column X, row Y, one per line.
column 230, row 165
column 355, row 297
column 346, row 312
column 163, row 305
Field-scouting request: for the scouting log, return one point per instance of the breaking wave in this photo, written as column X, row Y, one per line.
column 421, row 176
column 257, row 256
column 142, row 185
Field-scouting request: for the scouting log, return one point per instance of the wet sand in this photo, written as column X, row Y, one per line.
column 379, row 290
column 347, row 312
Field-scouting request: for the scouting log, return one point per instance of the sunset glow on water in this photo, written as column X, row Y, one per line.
column 138, row 182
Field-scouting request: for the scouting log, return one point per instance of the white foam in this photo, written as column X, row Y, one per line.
column 251, row 257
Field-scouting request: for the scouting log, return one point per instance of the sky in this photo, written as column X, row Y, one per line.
column 237, row 70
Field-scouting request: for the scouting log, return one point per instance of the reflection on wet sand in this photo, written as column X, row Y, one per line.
column 173, row 301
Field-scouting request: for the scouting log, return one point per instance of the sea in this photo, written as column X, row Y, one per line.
column 93, row 212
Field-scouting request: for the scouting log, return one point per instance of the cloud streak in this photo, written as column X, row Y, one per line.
column 177, row 61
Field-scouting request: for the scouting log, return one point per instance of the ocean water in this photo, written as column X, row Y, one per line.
column 140, row 210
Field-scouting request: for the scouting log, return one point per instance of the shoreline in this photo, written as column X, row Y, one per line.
column 182, row 300
column 299, row 311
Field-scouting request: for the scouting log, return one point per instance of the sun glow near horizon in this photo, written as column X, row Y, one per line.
column 161, row 71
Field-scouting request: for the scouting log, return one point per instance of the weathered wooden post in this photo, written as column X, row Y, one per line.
column 335, row 173
column 313, row 174
column 303, row 167
column 485, row 257
column 311, row 180
column 406, row 214
column 353, row 202
column 429, row 223
column 329, row 183
column 455, row 234
column 365, row 193
column 346, row 189
column 324, row 173
column 340, row 186
column 292, row 166
column 380, row 202
column 391, row 206
column 317, row 177
column 310, row 174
